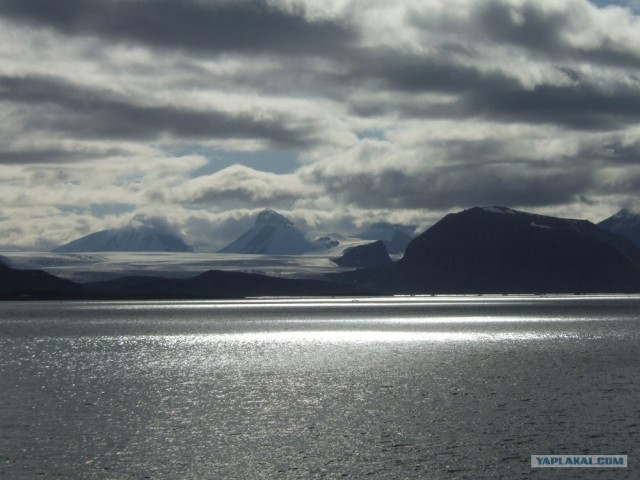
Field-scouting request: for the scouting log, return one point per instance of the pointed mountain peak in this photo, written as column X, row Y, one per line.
column 272, row 234
column 269, row 216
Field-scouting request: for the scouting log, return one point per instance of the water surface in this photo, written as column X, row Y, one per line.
column 408, row 387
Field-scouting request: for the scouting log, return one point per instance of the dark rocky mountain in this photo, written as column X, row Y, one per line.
column 217, row 284
column 361, row 256
column 499, row 250
column 395, row 237
column 273, row 234
column 625, row 223
column 35, row 283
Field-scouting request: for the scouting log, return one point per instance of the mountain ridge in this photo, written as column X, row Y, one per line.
column 500, row 250
column 16, row 283
column 135, row 237
column 625, row 223
column 493, row 250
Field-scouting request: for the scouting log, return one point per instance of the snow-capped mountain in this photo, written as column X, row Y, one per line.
column 625, row 223
column 140, row 235
column 395, row 237
column 273, row 234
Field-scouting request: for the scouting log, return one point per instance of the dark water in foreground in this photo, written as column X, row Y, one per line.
column 441, row 388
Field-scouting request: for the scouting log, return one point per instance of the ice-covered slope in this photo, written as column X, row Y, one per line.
column 272, row 234
column 625, row 223
column 136, row 237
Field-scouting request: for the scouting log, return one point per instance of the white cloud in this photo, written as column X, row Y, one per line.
column 240, row 185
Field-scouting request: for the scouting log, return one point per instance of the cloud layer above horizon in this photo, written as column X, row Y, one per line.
column 337, row 113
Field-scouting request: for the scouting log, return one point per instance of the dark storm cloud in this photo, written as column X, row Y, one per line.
column 421, row 73
column 224, row 26
column 498, row 93
column 528, row 26
column 497, row 97
column 457, row 185
column 59, row 106
column 613, row 151
column 486, row 151
column 254, row 27
column 539, row 29
column 581, row 106
column 621, row 152
column 25, row 157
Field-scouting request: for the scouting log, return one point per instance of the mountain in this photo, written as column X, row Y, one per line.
column 395, row 237
column 273, row 234
column 624, row 223
column 138, row 236
column 29, row 283
column 217, row 284
column 368, row 255
column 500, row 250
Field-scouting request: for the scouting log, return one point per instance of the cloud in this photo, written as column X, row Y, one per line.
column 242, row 186
column 378, row 176
column 569, row 30
column 64, row 108
column 55, row 156
column 154, row 222
column 581, row 107
column 398, row 111
column 81, row 186
column 249, row 27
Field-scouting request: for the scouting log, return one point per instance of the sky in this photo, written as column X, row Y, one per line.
column 337, row 113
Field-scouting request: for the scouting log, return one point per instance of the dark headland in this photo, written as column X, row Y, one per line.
column 499, row 250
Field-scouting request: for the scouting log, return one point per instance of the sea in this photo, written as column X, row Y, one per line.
column 435, row 387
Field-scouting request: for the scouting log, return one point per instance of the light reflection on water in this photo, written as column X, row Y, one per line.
column 413, row 387
column 357, row 301
column 360, row 336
